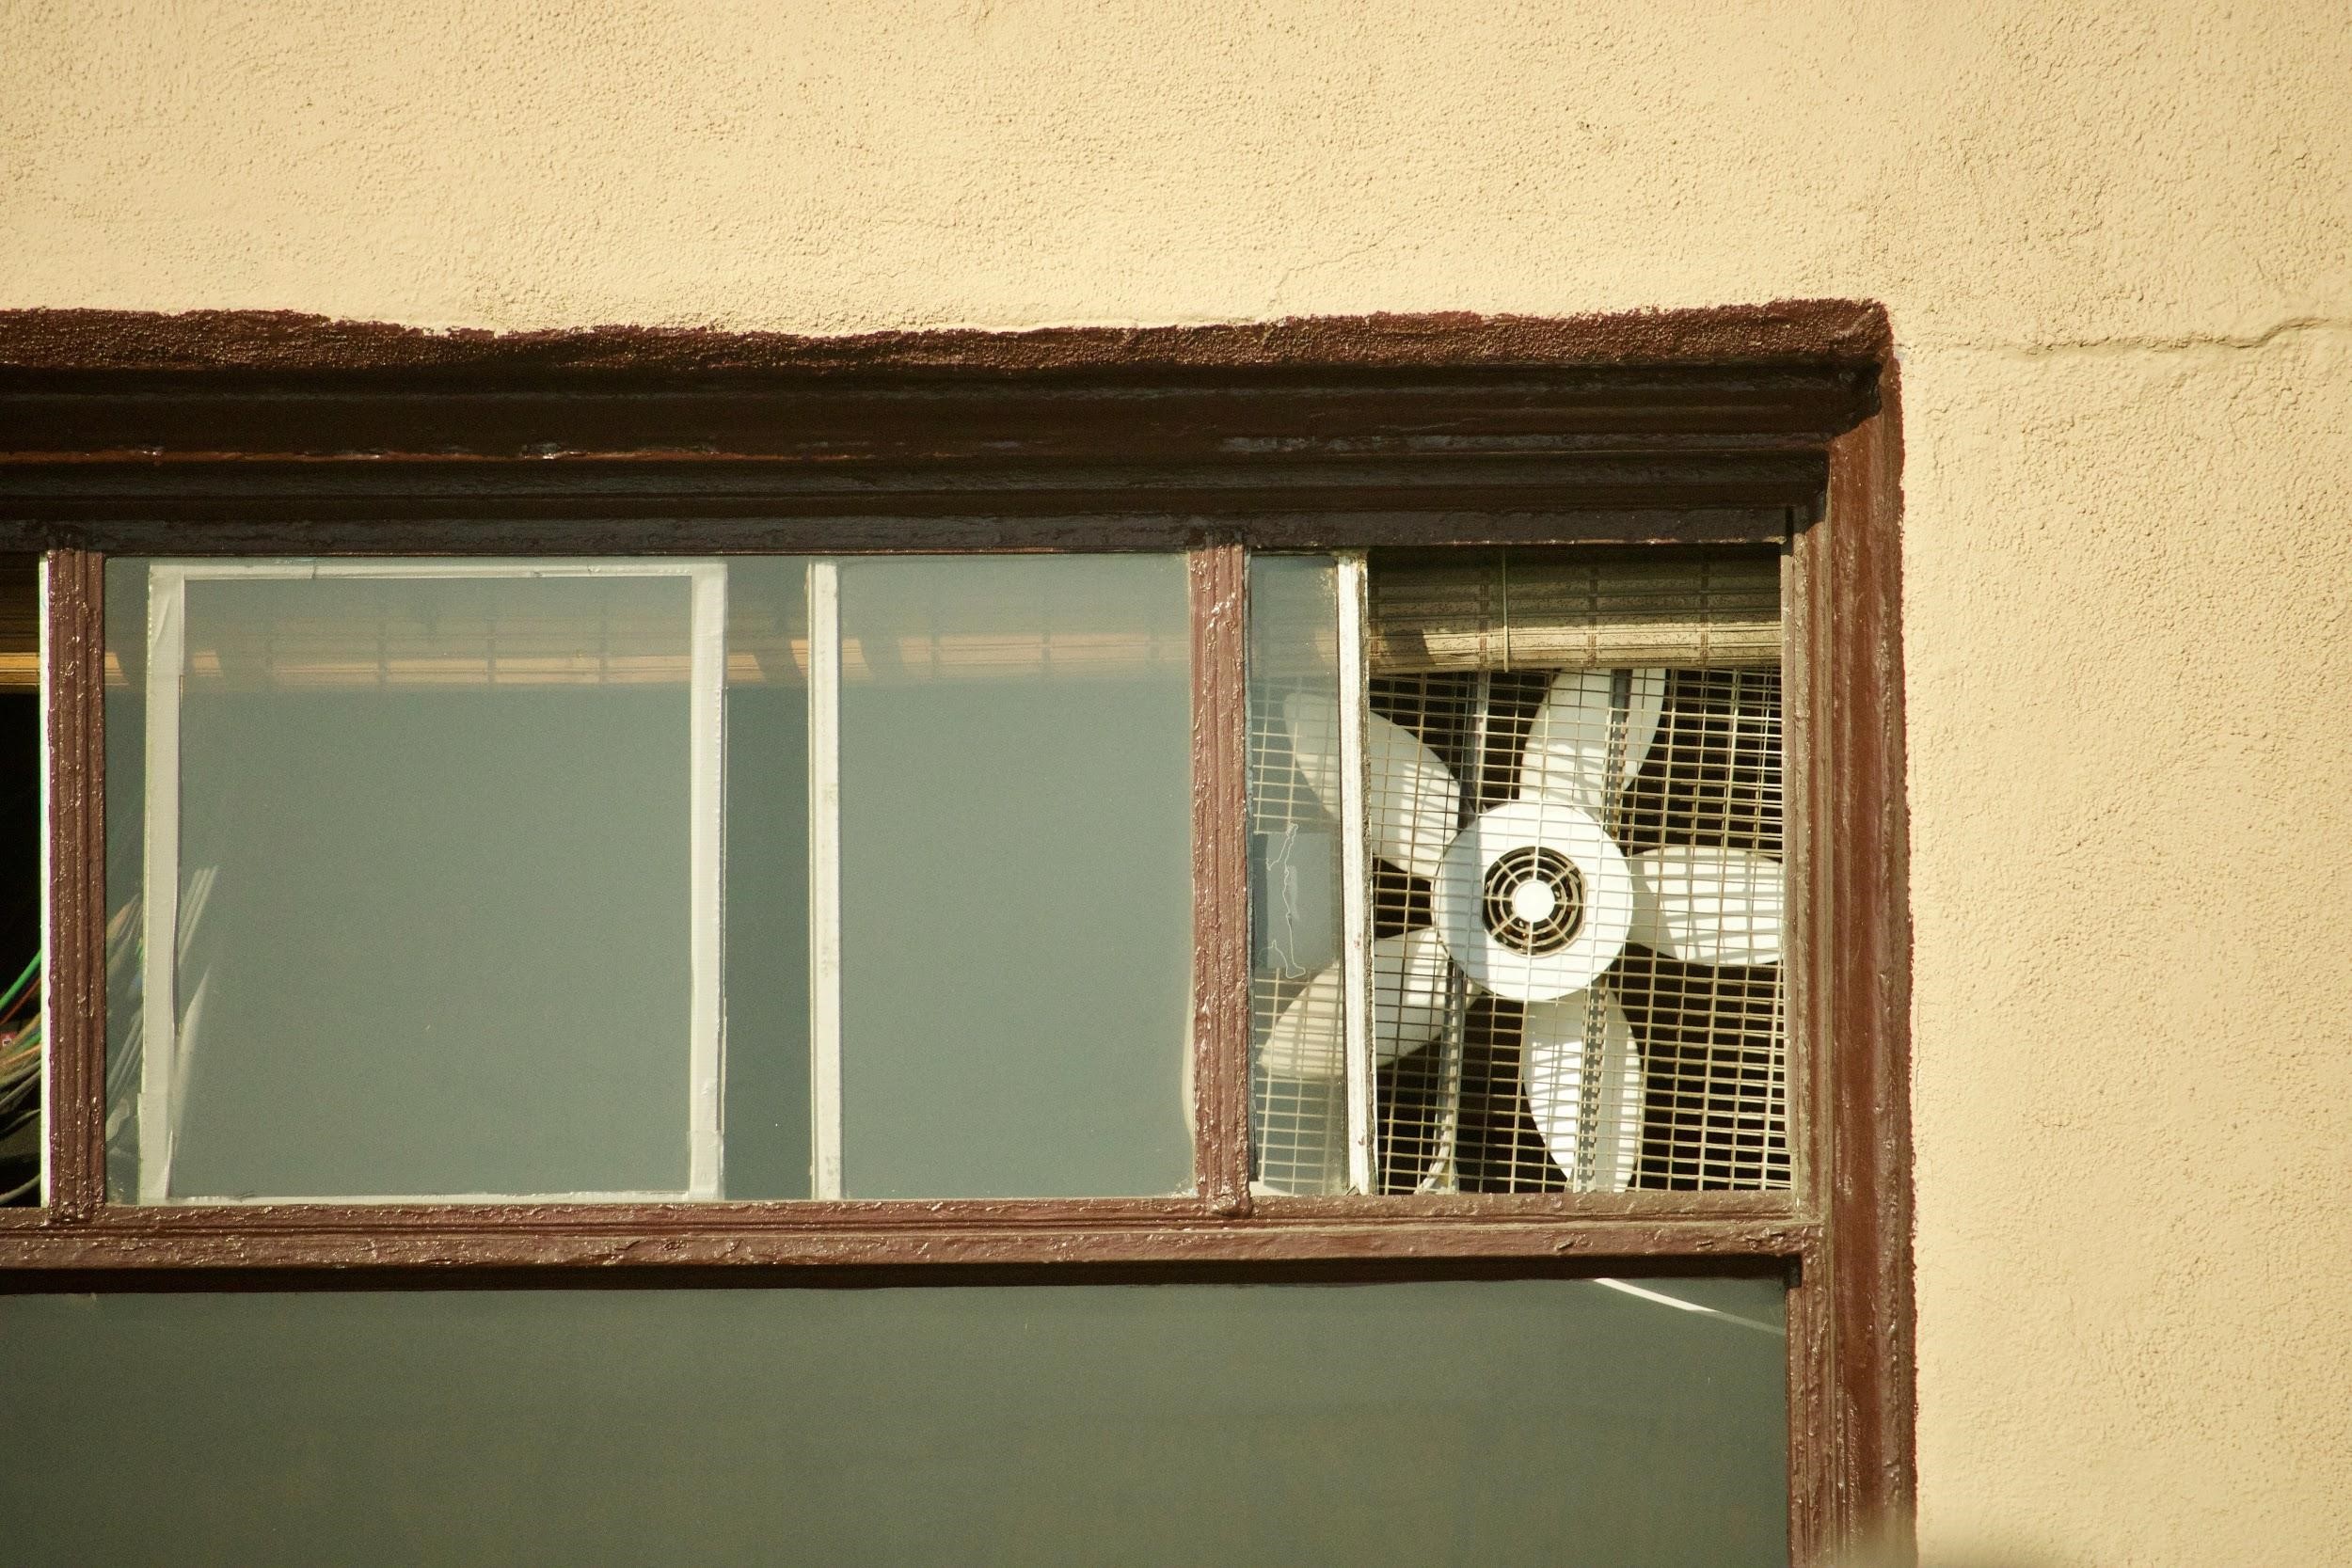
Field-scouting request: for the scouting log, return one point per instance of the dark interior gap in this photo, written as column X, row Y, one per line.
column 20, row 881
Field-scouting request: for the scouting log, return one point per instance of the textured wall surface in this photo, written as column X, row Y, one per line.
column 2117, row 243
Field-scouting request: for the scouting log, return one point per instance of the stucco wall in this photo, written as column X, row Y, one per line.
column 2117, row 245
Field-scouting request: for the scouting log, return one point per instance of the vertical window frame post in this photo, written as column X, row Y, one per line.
column 1219, row 588
column 74, row 912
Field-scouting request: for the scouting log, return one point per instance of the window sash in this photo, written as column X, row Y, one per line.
column 1747, row 1223
column 165, row 636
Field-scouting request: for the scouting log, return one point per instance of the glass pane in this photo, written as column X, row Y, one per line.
column 767, row 879
column 1299, row 1093
column 1437, row 1424
column 1016, row 886
column 434, row 900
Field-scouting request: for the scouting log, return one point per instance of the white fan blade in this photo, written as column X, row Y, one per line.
column 1408, row 992
column 1567, row 751
column 1707, row 906
column 1551, row 1067
column 1412, row 802
column 1409, row 999
column 1305, row 1040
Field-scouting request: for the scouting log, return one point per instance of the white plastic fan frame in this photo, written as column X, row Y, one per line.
column 160, row 1069
column 1357, row 1018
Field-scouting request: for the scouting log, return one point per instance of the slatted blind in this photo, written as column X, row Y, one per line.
column 1528, row 610
column 20, row 623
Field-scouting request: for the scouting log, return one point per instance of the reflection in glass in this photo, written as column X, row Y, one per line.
column 22, row 992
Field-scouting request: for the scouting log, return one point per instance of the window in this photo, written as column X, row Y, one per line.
column 1320, row 908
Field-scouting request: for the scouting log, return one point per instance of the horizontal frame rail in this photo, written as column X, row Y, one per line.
column 122, row 1243
column 571, row 522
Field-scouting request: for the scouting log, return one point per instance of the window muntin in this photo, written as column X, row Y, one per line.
column 456, row 842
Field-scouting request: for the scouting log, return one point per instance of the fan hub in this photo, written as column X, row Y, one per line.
column 1534, row 899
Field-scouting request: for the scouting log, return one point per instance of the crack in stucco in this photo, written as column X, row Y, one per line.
column 1290, row 273
column 2181, row 343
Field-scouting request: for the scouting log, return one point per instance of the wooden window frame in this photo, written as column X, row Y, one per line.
column 248, row 432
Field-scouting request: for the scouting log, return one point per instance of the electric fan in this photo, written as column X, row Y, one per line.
column 1535, row 901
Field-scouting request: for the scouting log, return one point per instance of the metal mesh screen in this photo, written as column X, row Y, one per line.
column 1714, row 1039
column 1298, row 1102
column 1585, row 990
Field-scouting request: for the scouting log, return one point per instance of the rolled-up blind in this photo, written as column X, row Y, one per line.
column 20, row 623
column 1522, row 609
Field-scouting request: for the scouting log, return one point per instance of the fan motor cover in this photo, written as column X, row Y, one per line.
column 1497, row 848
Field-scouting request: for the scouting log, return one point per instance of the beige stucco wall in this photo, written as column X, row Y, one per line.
column 2117, row 243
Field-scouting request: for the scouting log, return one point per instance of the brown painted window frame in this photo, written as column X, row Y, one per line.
column 237, row 433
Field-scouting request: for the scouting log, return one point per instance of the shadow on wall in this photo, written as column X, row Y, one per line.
column 1974, row 1557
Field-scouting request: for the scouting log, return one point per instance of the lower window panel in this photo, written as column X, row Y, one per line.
column 1633, row 1423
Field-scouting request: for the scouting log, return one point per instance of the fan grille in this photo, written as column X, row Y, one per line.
column 1713, row 1039
column 1452, row 1114
column 1298, row 1121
